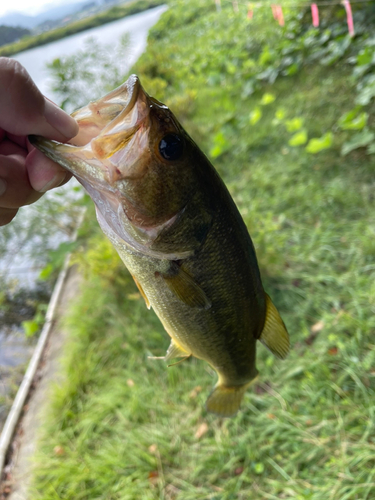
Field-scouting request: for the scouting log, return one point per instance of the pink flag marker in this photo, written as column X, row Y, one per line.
column 274, row 11
column 277, row 12
column 349, row 17
column 250, row 11
column 280, row 15
column 315, row 15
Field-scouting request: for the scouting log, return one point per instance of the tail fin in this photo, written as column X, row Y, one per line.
column 225, row 401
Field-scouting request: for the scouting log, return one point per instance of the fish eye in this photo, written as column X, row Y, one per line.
column 171, row 147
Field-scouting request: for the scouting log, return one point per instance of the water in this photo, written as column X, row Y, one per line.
column 137, row 26
column 13, row 350
column 19, row 243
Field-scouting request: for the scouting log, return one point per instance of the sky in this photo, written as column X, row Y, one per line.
column 30, row 7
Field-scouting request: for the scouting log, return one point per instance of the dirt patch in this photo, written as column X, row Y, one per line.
column 19, row 468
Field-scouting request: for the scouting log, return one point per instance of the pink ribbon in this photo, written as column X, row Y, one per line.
column 349, row 17
column 315, row 15
column 280, row 15
column 277, row 12
column 250, row 11
column 274, row 11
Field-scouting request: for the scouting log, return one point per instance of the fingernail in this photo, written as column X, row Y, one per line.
column 59, row 120
column 3, row 186
column 54, row 182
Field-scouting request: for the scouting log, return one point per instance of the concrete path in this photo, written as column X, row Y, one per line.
column 19, row 468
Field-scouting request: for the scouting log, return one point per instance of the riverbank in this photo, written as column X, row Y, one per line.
column 112, row 14
column 19, row 469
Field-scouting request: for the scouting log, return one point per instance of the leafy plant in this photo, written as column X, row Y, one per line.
column 294, row 124
column 359, row 140
column 298, row 139
column 255, row 115
column 267, row 98
column 353, row 120
column 19, row 304
column 318, row 144
column 221, row 144
column 33, row 326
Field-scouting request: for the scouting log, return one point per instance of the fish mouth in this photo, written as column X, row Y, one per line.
column 113, row 132
column 112, row 151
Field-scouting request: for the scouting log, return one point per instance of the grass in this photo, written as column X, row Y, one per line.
column 112, row 14
column 125, row 427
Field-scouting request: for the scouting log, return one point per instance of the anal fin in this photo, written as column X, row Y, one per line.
column 274, row 335
column 185, row 288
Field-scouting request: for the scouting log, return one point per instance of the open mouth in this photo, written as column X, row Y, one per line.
column 112, row 132
column 109, row 156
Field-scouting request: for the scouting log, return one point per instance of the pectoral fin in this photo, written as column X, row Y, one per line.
column 274, row 334
column 185, row 288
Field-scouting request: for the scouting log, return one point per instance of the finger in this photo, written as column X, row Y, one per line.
column 7, row 215
column 21, row 140
column 15, row 187
column 8, row 148
column 24, row 110
column 44, row 174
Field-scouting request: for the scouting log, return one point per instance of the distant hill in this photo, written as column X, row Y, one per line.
column 9, row 34
column 21, row 20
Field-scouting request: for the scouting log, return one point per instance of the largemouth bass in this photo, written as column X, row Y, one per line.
column 175, row 226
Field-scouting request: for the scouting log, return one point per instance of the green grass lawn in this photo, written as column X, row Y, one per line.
column 126, row 427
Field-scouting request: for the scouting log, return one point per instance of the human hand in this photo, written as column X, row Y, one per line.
column 25, row 173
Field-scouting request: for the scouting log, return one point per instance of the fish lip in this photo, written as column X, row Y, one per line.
column 50, row 148
column 125, row 98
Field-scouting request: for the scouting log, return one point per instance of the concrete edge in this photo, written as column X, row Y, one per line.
column 24, row 389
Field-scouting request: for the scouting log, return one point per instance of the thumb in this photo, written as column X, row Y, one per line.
column 24, row 110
